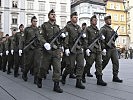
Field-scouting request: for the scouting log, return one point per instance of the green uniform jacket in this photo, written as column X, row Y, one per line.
column 72, row 33
column 91, row 34
column 108, row 32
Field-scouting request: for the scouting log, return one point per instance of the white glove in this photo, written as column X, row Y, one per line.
column 20, row 52
column 88, row 52
column 67, row 52
column 12, row 52
column 7, row 52
column 104, row 52
column 103, row 37
column 47, row 46
column 1, row 54
column 63, row 35
column 84, row 35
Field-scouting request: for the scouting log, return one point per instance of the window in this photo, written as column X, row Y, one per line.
column 30, row 5
column 122, row 29
column 52, row 6
column 41, row 20
column 29, row 19
column 42, row 6
column 115, row 17
column 14, row 20
column 117, row 7
column 124, row 41
column 111, row 6
column 63, row 7
column 63, row 21
column 85, row 9
column 15, row 4
column 122, row 18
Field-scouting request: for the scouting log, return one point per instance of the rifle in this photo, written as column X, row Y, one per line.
column 91, row 46
column 31, row 42
column 76, row 42
column 112, row 38
column 54, row 39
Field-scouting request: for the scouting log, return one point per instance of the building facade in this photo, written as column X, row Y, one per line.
column 16, row 12
column 129, row 10
column 119, row 18
column 87, row 8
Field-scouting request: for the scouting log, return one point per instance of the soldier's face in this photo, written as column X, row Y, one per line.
column 52, row 17
column 94, row 21
column 108, row 21
column 34, row 22
column 21, row 29
column 74, row 19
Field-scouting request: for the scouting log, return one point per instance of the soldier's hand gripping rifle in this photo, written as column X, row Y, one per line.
column 31, row 42
column 76, row 42
column 56, row 37
column 112, row 40
column 92, row 45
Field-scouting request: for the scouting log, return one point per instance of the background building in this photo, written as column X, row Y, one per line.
column 87, row 8
column 119, row 18
column 16, row 12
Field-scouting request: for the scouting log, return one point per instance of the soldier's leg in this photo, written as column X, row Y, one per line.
column 37, row 62
column 16, row 62
column 69, row 68
column 105, row 59
column 10, row 59
column 44, row 65
column 4, row 62
column 98, row 67
column 79, row 70
column 56, row 62
column 115, row 63
column 0, row 62
column 28, row 60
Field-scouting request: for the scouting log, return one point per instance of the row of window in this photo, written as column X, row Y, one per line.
column 116, row 17
column 41, row 20
column 115, row 6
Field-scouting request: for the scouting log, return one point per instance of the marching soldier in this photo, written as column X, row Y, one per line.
column 52, row 53
column 73, row 31
column 33, row 53
column 17, row 58
column 111, row 51
column 95, row 54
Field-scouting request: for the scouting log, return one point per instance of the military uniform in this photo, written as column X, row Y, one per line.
column 33, row 54
column 72, row 33
column 112, row 52
column 17, row 58
column 9, row 47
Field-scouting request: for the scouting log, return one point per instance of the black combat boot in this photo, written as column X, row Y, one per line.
column 83, row 78
column 9, row 71
column 100, row 81
column 116, row 79
column 89, row 75
column 79, row 84
column 39, row 83
column 35, row 79
column 72, row 76
column 16, row 74
column 63, row 80
column 57, row 88
column 24, row 77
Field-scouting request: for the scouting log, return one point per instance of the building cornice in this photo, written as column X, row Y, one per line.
column 87, row 1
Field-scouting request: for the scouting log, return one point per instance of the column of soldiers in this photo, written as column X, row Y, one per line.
column 64, row 49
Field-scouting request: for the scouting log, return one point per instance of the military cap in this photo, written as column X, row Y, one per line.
column 7, row 35
column 107, row 17
column 94, row 16
column 34, row 17
column 74, row 14
column 51, row 11
column 84, row 24
column 21, row 25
